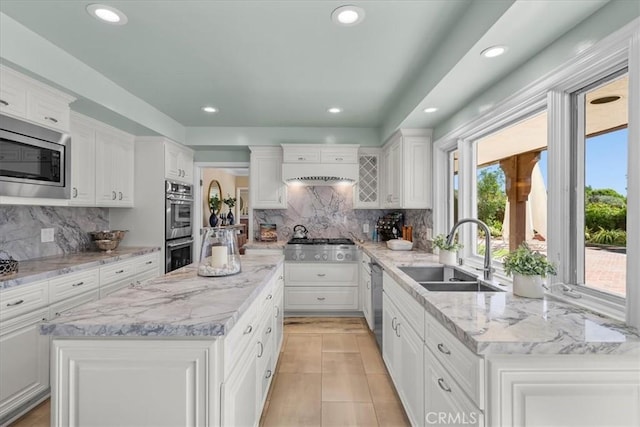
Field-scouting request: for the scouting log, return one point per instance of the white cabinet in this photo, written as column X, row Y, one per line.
column 366, row 192
column 278, row 314
column 26, row 98
column 239, row 394
column 321, row 287
column 366, row 289
column 114, row 168
column 407, row 170
column 314, row 153
column 178, row 162
column 83, row 162
column 403, row 355
column 266, row 188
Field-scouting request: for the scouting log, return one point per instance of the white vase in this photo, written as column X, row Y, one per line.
column 528, row 286
column 448, row 257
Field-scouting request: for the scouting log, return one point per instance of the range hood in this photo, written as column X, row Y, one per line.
column 319, row 173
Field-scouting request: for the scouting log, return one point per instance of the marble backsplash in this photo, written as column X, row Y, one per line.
column 327, row 211
column 20, row 229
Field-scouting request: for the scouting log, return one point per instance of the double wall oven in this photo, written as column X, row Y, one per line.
column 178, row 225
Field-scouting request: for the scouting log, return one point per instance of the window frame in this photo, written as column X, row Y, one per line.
column 554, row 92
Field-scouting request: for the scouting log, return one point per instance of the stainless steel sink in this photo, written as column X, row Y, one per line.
column 438, row 273
column 458, row 287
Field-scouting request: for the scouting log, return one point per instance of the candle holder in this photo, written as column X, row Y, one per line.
column 220, row 255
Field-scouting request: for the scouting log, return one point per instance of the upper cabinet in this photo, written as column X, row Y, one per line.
column 366, row 192
column 407, row 170
column 28, row 99
column 114, row 168
column 83, row 165
column 314, row 153
column 178, row 162
column 266, row 188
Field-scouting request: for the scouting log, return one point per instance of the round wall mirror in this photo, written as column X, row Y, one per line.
column 215, row 196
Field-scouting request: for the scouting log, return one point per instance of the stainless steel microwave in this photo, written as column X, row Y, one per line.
column 34, row 161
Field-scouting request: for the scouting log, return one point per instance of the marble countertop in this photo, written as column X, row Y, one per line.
column 178, row 304
column 265, row 245
column 46, row 268
column 502, row 323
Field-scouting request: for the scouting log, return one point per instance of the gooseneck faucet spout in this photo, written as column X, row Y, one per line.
column 488, row 271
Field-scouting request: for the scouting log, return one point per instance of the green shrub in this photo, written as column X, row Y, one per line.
column 608, row 237
column 608, row 217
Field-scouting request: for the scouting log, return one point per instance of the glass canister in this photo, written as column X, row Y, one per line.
column 220, row 255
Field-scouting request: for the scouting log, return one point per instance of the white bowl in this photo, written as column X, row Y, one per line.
column 399, row 245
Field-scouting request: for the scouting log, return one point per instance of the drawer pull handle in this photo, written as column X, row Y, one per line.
column 443, row 349
column 261, row 349
column 269, row 373
column 119, row 271
column 301, row 158
column 149, row 262
column 321, row 298
column 77, row 284
column 277, row 312
column 120, row 193
column 322, row 274
column 268, row 330
column 339, row 159
column 3, row 102
column 11, row 304
column 248, row 330
column 75, row 192
column 393, row 323
column 269, row 297
column 398, row 330
column 51, row 119
column 113, row 195
column 443, row 385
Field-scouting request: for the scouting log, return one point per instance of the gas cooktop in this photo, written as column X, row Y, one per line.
column 335, row 241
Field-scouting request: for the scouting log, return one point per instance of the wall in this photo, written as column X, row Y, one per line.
column 328, row 212
column 227, row 184
column 20, row 229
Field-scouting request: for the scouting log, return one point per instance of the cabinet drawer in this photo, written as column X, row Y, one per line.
column 116, row 272
column 304, row 155
column 110, row 288
column 466, row 368
column 411, row 309
column 321, row 298
column 48, row 110
column 73, row 284
column 23, row 299
column 240, row 336
column 339, row 156
column 147, row 263
column 55, row 310
column 308, row 274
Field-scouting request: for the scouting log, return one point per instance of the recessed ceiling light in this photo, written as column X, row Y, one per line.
column 107, row 14
column 605, row 99
column 209, row 109
column 334, row 110
column 347, row 15
column 430, row 110
column 493, row 51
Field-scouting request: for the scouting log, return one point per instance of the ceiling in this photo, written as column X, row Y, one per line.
column 283, row 63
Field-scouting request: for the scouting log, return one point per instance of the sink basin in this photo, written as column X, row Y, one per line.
column 438, row 273
column 458, row 287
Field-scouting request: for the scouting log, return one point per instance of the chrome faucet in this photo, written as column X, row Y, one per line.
column 488, row 271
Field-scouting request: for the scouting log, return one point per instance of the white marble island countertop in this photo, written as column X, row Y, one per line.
column 501, row 323
column 178, row 304
column 53, row 266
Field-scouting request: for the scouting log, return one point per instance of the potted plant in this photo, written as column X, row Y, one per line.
column 447, row 253
column 528, row 267
column 214, row 207
column 230, row 202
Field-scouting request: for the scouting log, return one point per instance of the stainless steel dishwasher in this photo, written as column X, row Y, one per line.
column 376, row 289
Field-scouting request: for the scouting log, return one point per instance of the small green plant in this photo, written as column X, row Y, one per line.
column 214, row 204
column 526, row 262
column 230, row 201
column 608, row 237
column 440, row 242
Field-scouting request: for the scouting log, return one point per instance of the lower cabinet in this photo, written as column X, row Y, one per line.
column 24, row 362
column 240, row 392
column 321, row 287
column 366, row 290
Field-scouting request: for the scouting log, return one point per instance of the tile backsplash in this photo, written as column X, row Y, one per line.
column 20, row 229
column 327, row 211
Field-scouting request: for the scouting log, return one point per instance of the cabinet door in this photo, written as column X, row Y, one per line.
column 13, row 95
column 106, row 194
column 445, row 403
column 239, row 405
column 278, row 322
column 395, row 174
column 83, row 170
column 24, row 360
column 123, row 170
column 267, row 189
column 410, row 365
column 171, row 168
column 389, row 339
column 185, row 164
column 366, row 192
column 367, row 302
column 416, row 162
column 47, row 109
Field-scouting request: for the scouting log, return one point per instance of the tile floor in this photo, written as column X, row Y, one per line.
column 330, row 373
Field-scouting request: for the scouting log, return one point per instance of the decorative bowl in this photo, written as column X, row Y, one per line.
column 107, row 245
column 399, row 245
column 108, row 234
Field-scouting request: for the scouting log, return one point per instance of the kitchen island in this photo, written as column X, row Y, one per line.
column 176, row 350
